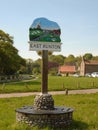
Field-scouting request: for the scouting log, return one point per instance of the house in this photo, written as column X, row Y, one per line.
column 88, row 66
column 67, row 69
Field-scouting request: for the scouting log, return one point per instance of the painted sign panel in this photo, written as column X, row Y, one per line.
column 44, row 31
column 36, row 46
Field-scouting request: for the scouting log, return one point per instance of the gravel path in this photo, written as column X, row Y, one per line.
column 87, row 91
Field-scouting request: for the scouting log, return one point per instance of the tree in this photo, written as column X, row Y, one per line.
column 53, row 68
column 29, row 66
column 78, row 60
column 95, row 58
column 57, row 59
column 70, row 59
column 10, row 61
column 88, row 56
column 4, row 37
column 37, row 66
column 52, row 65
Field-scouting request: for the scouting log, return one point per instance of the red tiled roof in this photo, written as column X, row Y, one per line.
column 92, row 62
column 68, row 69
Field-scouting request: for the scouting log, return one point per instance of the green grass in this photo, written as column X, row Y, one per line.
column 55, row 83
column 26, row 86
column 61, row 83
column 85, row 115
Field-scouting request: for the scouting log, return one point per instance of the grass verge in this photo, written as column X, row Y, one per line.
column 55, row 83
column 85, row 116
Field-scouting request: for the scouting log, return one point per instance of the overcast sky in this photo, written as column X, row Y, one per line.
column 78, row 20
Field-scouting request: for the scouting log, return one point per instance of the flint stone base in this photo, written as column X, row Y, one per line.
column 44, row 114
column 60, row 117
column 44, row 102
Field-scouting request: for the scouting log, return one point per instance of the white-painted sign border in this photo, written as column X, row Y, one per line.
column 51, row 46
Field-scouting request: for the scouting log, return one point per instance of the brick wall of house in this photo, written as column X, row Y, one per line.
column 91, row 68
column 88, row 67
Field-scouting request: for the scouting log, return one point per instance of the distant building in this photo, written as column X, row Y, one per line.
column 67, row 69
column 88, row 66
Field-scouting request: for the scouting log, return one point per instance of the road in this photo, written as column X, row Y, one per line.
column 87, row 91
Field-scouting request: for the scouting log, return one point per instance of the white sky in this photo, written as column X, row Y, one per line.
column 78, row 20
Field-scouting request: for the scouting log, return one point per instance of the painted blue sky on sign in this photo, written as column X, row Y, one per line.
column 45, row 24
column 78, row 20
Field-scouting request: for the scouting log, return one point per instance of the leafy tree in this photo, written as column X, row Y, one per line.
column 29, row 66
column 57, row 59
column 95, row 58
column 78, row 60
column 52, row 65
column 70, row 59
column 37, row 66
column 4, row 37
column 10, row 61
column 88, row 56
column 53, row 68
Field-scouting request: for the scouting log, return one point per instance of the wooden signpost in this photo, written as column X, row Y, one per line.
column 44, row 36
column 44, row 89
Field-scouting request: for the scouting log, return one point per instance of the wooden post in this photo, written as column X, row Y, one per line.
column 44, row 72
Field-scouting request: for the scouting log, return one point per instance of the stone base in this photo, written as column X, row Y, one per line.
column 44, row 102
column 60, row 117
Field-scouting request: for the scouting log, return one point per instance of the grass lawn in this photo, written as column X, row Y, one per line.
column 55, row 83
column 85, row 116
